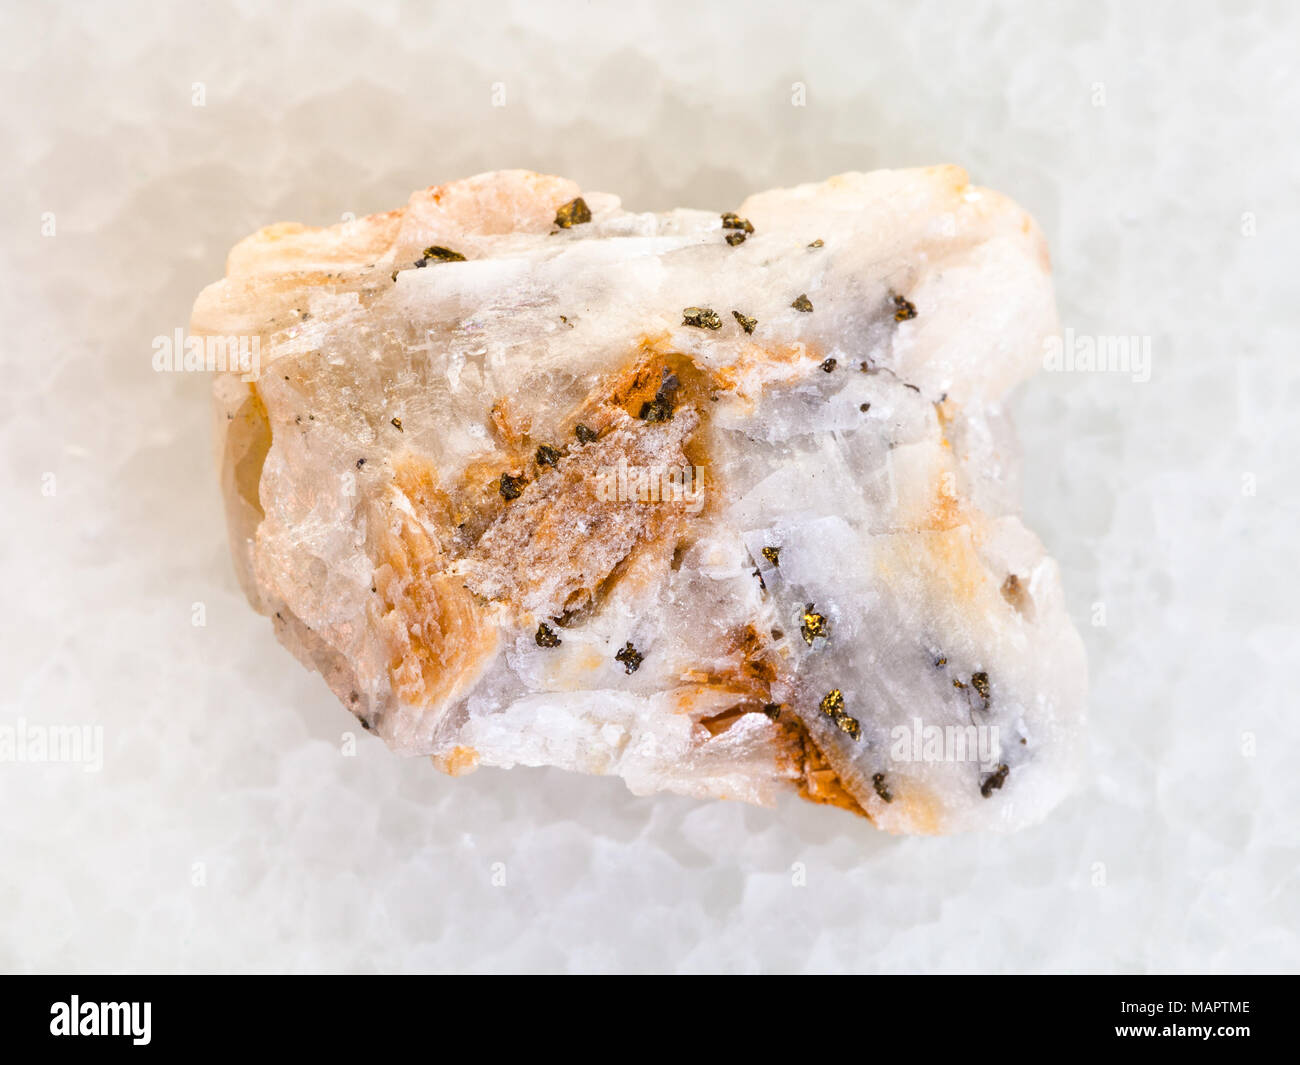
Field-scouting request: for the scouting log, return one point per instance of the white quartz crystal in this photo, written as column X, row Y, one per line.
column 790, row 560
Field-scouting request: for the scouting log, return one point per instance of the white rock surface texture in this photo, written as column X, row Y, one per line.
column 724, row 504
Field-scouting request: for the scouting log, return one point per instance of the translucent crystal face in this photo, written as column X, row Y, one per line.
column 722, row 503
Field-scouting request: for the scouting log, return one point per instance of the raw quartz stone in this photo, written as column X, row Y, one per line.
column 537, row 483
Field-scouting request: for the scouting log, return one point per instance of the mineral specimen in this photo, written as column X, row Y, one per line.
column 531, row 479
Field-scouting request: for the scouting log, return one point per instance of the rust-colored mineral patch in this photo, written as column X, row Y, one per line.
column 814, row 778
column 436, row 636
column 555, row 548
column 1016, row 592
column 551, row 549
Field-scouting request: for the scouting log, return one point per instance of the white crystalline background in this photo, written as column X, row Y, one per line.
column 229, row 827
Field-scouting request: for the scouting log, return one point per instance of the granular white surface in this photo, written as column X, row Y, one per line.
column 229, row 830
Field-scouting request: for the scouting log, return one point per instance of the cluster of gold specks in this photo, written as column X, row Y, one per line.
column 882, row 788
column 832, row 705
column 630, row 657
column 814, row 625
column 803, row 303
column 849, row 725
column 434, row 254
column 773, row 555
column 660, row 409
column 574, row 213
column 701, row 318
column 994, row 781
column 511, row 487
column 438, row 254
column 546, row 636
column 978, row 681
column 904, row 309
